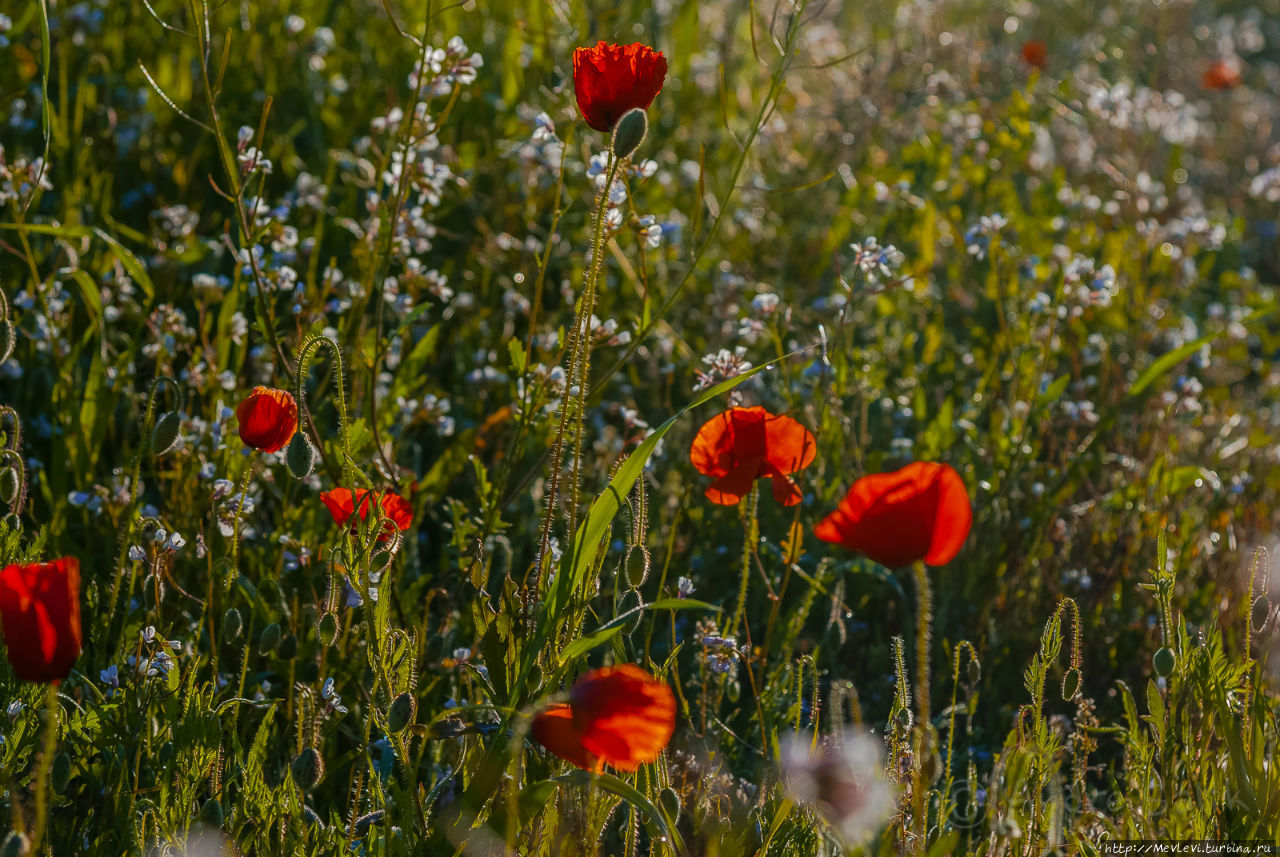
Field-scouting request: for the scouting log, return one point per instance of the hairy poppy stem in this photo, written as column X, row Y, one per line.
column 46, row 764
column 924, row 619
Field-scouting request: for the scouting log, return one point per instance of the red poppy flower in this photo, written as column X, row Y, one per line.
column 920, row 512
column 1035, row 53
column 40, row 614
column 1221, row 75
column 620, row 716
column 742, row 445
column 268, row 419
column 610, row 79
column 342, row 506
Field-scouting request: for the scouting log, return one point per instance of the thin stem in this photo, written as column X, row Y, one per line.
column 46, row 764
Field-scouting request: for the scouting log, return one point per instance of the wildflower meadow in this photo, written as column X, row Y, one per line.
column 665, row 428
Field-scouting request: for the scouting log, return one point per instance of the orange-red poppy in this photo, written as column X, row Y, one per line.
column 268, row 419
column 619, row 716
column 742, row 445
column 40, row 616
column 342, row 506
column 1221, row 75
column 611, row 79
column 1035, row 53
column 920, row 512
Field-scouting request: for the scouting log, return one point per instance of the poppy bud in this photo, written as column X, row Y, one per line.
column 16, row 844
column 534, row 680
column 975, row 672
column 629, row 133
column 288, row 649
column 670, row 803
column 307, row 769
column 211, row 813
column 7, row 339
column 165, row 433
column 269, row 640
column 60, row 774
column 637, row 565
column 904, row 718
column 231, row 623
column 1261, row 607
column 1163, row 661
column 1070, row 683
column 402, row 711
column 631, row 601
column 300, row 457
column 327, row 630
column 10, row 485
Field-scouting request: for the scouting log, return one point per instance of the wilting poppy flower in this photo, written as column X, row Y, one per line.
column 1221, row 75
column 268, row 419
column 40, row 615
column 610, row 79
column 742, row 445
column 342, row 506
column 620, row 716
column 920, row 512
column 1035, row 53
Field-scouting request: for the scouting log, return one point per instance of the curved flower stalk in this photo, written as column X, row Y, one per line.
column 13, row 470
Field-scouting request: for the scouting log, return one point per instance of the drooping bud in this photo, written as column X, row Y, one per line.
column 637, row 564
column 269, row 640
column 165, row 433
column 975, row 671
column 629, row 132
column 1070, row 683
column 327, row 630
column 300, row 456
column 670, row 803
column 231, row 624
column 1261, row 607
column 631, row 601
column 403, row 709
column 60, row 775
column 1164, row 661
column 16, row 844
column 288, row 648
column 10, row 485
column 307, row 769
column 211, row 813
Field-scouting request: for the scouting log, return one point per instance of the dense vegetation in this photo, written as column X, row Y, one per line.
column 1036, row 242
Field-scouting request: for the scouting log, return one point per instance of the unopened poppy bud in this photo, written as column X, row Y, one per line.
column 630, row 132
column 670, row 803
column 7, row 339
column 327, row 630
column 60, row 775
column 16, row 844
column 534, row 681
column 269, row 640
column 10, row 485
column 1164, row 661
column 402, row 711
column 1070, row 683
column 629, row 602
column 300, row 457
column 307, row 769
column 211, row 813
column 165, row 433
column 904, row 718
column 288, row 648
column 1261, row 607
column 637, row 565
column 975, row 672
column 231, row 624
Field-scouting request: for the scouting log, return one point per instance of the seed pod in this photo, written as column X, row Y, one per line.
column 288, row 648
column 403, row 709
column 629, row 132
column 327, row 630
column 637, row 564
column 975, row 672
column 1164, row 661
column 670, row 803
column 211, row 813
column 1070, row 683
column 165, row 433
column 269, row 640
column 10, row 485
column 16, row 844
column 300, row 456
column 307, row 769
column 231, row 624
column 60, row 774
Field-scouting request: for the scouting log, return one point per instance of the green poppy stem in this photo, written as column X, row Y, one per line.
column 46, row 764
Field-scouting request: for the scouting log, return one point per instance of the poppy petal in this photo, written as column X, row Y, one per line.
column 625, row 715
column 553, row 728
column 729, row 489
